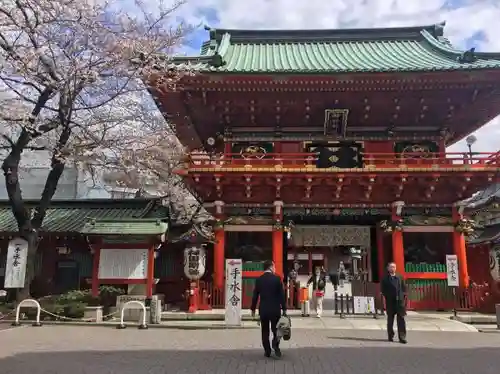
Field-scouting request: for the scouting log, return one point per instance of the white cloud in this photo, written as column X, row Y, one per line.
column 466, row 20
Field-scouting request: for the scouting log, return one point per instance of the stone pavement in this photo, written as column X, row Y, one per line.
column 414, row 323
column 104, row 350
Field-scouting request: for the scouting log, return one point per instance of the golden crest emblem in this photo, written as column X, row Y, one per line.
column 253, row 151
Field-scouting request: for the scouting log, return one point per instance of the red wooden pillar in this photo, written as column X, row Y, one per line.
column 278, row 238
column 278, row 251
column 95, row 271
column 398, row 252
column 151, row 272
column 380, row 254
column 219, row 258
column 460, row 250
column 219, row 247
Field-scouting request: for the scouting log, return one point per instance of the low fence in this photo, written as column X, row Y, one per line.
column 429, row 297
column 217, row 301
column 433, row 296
column 344, row 305
column 438, row 296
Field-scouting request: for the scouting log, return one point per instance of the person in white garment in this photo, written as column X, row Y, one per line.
column 318, row 281
column 342, row 274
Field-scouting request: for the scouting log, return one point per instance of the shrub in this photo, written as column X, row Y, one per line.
column 76, row 296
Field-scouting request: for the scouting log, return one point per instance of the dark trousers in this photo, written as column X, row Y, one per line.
column 399, row 312
column 266, row 323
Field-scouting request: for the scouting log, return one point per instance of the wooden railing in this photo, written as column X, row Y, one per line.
column 429, row 297
column 217, row 300
column 433, row 296
column 370, row 160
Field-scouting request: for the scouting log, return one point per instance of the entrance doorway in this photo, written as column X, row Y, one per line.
column 329, row 246
column 67, row 276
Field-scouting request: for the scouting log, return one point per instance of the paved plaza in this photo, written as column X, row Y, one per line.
column 104, row 350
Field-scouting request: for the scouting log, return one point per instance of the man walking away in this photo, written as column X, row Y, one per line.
column 269, row 290
column 393, row 288
column 318, row 281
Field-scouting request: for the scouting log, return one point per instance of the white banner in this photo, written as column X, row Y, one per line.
column 123, row 263
column 452, row 270
column 234, row 285
column 17, row 260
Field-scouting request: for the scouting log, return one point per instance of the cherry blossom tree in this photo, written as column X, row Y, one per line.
column 71, row 89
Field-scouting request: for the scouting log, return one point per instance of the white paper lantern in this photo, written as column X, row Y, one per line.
column 495, row 264
column 194, row 262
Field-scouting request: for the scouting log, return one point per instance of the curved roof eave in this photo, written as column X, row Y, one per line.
column 453, row 52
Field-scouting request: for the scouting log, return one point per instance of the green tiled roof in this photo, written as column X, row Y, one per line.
column 334, row 51
column 137, row 226
column 70, row 216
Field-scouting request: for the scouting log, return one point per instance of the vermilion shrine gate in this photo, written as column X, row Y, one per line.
column 337, row 138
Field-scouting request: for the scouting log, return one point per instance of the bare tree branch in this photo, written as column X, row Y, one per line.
column 70, row 85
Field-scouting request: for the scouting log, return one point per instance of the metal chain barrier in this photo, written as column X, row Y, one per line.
column 77, row 319
column 3, row 316
column 60, row 317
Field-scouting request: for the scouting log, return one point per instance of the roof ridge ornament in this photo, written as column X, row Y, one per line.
column 468, row 57
column 439, row 29
column 212, row 33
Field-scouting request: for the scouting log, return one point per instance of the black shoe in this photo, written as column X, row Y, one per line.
column 267, row 354
column 403, row 341
column 390, row 338
column 277, row 352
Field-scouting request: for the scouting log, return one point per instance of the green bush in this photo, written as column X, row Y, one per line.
column 6, row 308
column 76, row 296
column 71, row 304
column 74, row 310
column 107, row 297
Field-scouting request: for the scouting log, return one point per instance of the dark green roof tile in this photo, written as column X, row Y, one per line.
column 71, row 216
column 333, row 51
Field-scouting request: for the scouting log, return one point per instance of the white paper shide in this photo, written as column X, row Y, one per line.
column 15, row 267
column 234, row 268
column 452, row 270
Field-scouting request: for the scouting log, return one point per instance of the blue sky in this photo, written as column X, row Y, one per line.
column 469, row 23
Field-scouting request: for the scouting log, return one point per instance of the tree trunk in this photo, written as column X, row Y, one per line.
column 32, row 238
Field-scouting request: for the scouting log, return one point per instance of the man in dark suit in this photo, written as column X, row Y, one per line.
column 393, row 288
column 269, row 291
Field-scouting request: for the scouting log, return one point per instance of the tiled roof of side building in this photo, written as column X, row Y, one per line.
column 70, row 216
column 334, row 51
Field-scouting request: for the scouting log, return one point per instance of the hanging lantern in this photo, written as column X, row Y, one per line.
column 495, row 264
column 194, row 262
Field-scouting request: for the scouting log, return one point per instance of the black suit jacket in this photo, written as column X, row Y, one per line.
column 394, row 290
column 270, row 294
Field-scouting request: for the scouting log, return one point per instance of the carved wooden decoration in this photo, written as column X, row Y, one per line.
column 337, row 154
column 250, row 150
column 335, row 122
column 423, row 149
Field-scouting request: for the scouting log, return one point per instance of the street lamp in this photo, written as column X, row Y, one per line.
column 470, row 140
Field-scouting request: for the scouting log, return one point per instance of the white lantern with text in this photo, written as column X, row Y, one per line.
column 194, row 262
